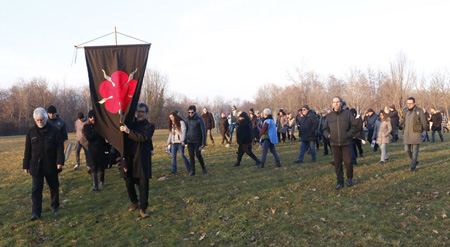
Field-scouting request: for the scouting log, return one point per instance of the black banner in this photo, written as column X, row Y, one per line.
column 115, row 80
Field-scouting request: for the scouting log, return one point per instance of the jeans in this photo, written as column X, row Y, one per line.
column 78, row 147
column 384, row 154
column 232, row 127
column 425, row 137
column 36, row 192
column 175, row 148
column 413, row 153
column 267, row 145
column 440, row 135
column 304, row 146
column 342, row 153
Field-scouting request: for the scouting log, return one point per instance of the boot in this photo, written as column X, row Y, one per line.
column 143, row 214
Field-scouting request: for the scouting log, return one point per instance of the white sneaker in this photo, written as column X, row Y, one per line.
column 228, row 145
column 76, row 167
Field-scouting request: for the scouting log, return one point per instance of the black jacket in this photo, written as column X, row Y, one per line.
column 196, row 132
column 209, row 120
column 244, row 131
column 393, row 115
column 60, row 125
column 138, row 158
column 223, row 125
column 97, row 146
column 341, row 127
column 437, row 121
column 44, row 150
column 308, row 127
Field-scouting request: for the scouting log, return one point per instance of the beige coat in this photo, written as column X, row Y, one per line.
column 384, row 131
column 413, row 122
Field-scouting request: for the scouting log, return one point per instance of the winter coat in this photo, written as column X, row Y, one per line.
column 370, row 121
column 44, row 150
column 393, row 115
column 79, row 131
column 176, row 135
column 382, row 131
column 138, row 148
column 244, row 132
column 436, row 119
column 60, row 125
column 196, row 132
column 97, row 146
column 223, row 125
column 341, row 127
column 413, row 122
column 359, row 124
column 308, row 127
column 209, row 120
column 282, row 123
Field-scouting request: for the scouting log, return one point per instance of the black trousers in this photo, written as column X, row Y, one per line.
column 195, row 148
column 36, row 192
column 326, row 144
column 143, row 187
column 246, row 148
column 342, row 153
column 357, row 144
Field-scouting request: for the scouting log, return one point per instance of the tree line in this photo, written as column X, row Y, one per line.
column 361, row 89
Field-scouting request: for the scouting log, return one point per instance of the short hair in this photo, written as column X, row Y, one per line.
column 340, row 99
column 143, row 105
column 411, row 98
column 40, row 113
column 267, row 111
column 192, row 107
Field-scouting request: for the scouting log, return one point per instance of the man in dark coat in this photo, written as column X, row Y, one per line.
column 223, row 127
column 371, row 118
column 195, row 139
column 56, row 121
column 209, row 123
column 393, row 115
column 98, row 151
column 244, row 139
column 43, row 157
column 340, row 128
column 137, row 166
column 308, row 127
column 436, row 119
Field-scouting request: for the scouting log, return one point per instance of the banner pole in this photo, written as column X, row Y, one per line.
column 115, row 34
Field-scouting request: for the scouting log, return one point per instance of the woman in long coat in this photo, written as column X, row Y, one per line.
column 381, row 134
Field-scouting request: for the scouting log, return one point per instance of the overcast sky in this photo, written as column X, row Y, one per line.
column 227, row 48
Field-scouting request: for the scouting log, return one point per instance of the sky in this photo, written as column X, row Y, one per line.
column 224, row 48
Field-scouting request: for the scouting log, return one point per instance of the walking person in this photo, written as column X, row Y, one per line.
column 393, row 115
column 436, row 119
column 224, row 127
column 357, row 141
column 244, row 139
column 425, row 137
column 58, row 122
column 371, row 118
column 325, row 140
column 82, row 143
column 413, row 121
column 43, row 158
column 209, row 123
column 233, row 120
column 444, row 123
column 176, row 140
column 291, row 127
column 98, row 154
column 137, row 165
column 340, row 128
column 282, row 123
column 268, row 136
column 255, row 128
column 308, row 129
column 196, row 139
column 381, row 134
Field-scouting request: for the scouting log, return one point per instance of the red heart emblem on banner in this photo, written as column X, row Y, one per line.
column 117, row 91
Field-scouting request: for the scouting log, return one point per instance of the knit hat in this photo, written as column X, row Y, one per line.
column 91, row 113
column 51, row 109
column 305, row 107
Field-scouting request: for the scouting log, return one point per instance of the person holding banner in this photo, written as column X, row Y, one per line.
column 137, row 165
column 43, row 157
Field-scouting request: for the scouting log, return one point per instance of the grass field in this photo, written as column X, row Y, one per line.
column 295, row 205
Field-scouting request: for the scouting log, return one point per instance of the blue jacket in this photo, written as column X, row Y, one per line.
column 271, row 130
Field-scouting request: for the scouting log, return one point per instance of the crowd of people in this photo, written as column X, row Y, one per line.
column 339, row 130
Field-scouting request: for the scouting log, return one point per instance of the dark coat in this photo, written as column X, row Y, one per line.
column 436, row 118
column 308, row 127
column 341, row 127
column 44, row 150
column 139, row 145
column 370, row 121
column 196, row 132
column 97, row 147
column 60, row 125
column 223, row 125
column 393, row 115
column 209, row 120
column 244, row 131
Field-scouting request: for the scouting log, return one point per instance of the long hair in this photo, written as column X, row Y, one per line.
column 177, row 121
